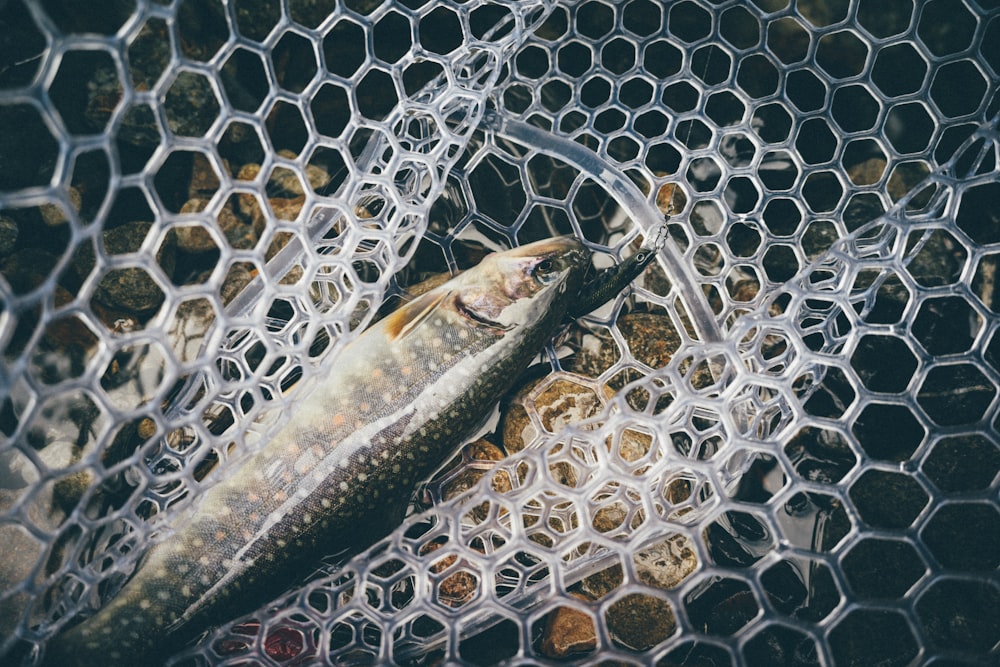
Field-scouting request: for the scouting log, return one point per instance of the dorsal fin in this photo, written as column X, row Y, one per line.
column 406, row 318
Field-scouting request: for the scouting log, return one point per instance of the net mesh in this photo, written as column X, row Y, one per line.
column 778, row 448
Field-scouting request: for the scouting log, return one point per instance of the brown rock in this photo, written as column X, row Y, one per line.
column 457, row 588
column 666, row 563
column 204, row 179
column 194, row 238
column 54, row 214
column 557, row 400
column 8, row 235
column 568, row 632
column 639, row 621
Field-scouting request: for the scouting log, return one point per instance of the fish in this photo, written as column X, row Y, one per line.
column 399, row 398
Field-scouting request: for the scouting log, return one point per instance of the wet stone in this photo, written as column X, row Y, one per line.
column 639, row 621
column 667, row 563
column 938, row 262
column 457, row 588
column 287, row 209
column 194, row 238
column 149, row 54
column 133, row 290
column 104, row 92
column 475, row 460
column 191, row 105
column 240, row 233
column 287, row 182
column 129, row 290
column 204, row 180
column 465, row 470
column 53, row 214
column 21, row 554
column 562, row 401
column 240, row 275
column 651, row 338
column 127, row 238
column 663, row 564
column 139, row 127
column 8, row 235
column 867, row 172
column 27, row 268
column 187, row 331
column 568, row 632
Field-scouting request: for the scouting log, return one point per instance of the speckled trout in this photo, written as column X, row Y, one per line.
column 399, row 398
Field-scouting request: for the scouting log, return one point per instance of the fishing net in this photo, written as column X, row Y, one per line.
column 778, row 448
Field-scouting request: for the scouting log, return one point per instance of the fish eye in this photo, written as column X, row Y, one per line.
column 545, row 265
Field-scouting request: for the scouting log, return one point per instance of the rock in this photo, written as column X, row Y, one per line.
column 240, row 275
column 204, row 179
column 132, row 289
column 27, row 268
column 240, row 232
column 191, row 106
column 868, row 172
column 8, row 235
column 464, row 471
column 286, row 209
column 568, row 632
column 666, row 563
column 652, row 340
column 458, row 587
column 191, row 321
column 557, row 400
column 194, row 238
column 639, row 621
column 149, row 54
column 54, row 214
column 287, row 182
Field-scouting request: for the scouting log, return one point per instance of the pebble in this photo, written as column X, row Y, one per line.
column 557, row 401
column 204, row 179
column 639, row 621
column 457, row 588
column 652, row 340
column 568, row 632
column 54, row 214
column 132, row 289
column 8, row 235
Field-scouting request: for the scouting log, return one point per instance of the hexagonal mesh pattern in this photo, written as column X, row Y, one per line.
column 779, row 448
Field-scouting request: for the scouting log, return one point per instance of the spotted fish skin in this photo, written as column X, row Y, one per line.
column 399, row 398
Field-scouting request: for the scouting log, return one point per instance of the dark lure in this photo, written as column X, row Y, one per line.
column 610, row 282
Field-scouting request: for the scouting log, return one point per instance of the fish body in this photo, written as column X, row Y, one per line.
column 399, row 398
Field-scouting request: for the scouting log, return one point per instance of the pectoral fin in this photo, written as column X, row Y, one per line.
column 406, row 318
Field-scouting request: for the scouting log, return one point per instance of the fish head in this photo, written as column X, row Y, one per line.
column 525, row 284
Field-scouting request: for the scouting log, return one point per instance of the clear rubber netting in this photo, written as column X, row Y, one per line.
column 779, row 448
